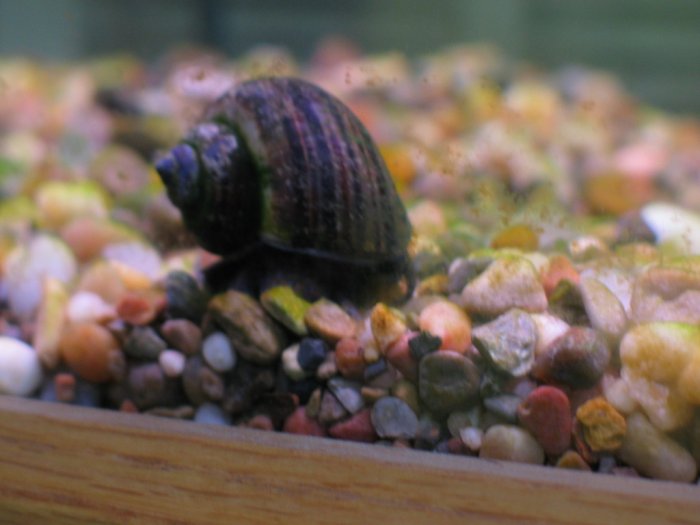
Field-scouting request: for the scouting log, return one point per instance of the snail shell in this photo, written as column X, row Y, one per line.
column 281, row 162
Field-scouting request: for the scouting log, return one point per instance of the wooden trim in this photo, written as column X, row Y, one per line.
column 64, row 464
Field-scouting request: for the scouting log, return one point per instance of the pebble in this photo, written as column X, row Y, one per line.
column 572, row 460
column 254, row 335
column 137, row 258
column 456, row 421
column 348, row 393
column 330, row 411
column 349, row 358
column 577, row 359
column 604, row 427
column 20, row 367
column 357, row 427
column 184, row 297
column 387, row 326
column 103, row 279
column 300, row 423
column 511, row 443
column 518, row 236
column 218, row 352
column 392, row 418
column 472, row 438
column 329, row 321
column 92, row 352
column 144, row 343
column 89, row 307
column 656, row 365
column 172, row 362
column 312, row 352
column 49, row 322
column 508, row 342
column 617, row 392
column 666, row 294
column 211, row 414
column 549, row 328
column 559, row 268
column 399, row 355
column 285, row 306
column 447, row 381
column 148, row 387
column 58, row 202
column 28, row 264
column 511, row 282
column 673, row 225
column 328, row 368
column 461, row 271
column 183, row 335
column 65, row 386
column 504, row 406
column 604, row 311
column 140, row 308
column 201, row 383
column 546, row 413
column 87, row 237
column 313, row 405
column 290, row 363
column 654, row 454
column 446, row 320
column 407, row 392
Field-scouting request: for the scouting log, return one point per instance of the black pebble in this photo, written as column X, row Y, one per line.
column 312, row 352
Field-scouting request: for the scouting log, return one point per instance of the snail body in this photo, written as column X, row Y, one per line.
column 282, row 164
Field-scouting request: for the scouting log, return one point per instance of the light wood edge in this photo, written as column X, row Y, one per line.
column 65, row 464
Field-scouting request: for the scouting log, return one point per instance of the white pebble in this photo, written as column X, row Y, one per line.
column 471, row 438
column 548, row 327
column 172, row 362
column 290, row 364
column 673, row 225
column 218, row 352
column 89, row 307
column 20, row 368
column 211, row 414
column 136, row 255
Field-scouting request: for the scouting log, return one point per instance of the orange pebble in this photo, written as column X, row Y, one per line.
column 140, row 308
column 90, row 350
column 450, row 323
column 349, row 358
column 560, row 268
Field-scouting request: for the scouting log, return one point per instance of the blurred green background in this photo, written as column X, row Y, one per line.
column 652, row 45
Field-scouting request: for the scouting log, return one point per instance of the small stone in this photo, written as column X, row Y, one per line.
column 348, row 393
column 172, row 362
column 218, row 352
column 285, row 306
column 140, row 308
column 559, row 268
column 511, row 443
column 617, row 393
column 91, row 351
column 372, row 394
column 654, row 454
column 313, row 405
column 148, row 387
column 666, row 294
column 604, row 427
column 261, row 422
column 329, row 321
column 448, row 381
column 400, row 357
column 577, row 359
column 65, row 384
column 422, row 344
column 144, row 343
column 387, row 326
column 49, row 322
column 211, row 414
column 407, row 392
column 518, row 236
column 331, row 410
column 472, row 438
column 392, row 418
column 504, row 406
column 432, row 285
column 201, row 383
column 312, row 352
column 88, row 307
column 446, row 320
column 88, row 236
column 328, row 368
column 300, row 423
column 349, row 358
column 102, row 278
column 462, row 271
column 605, row 312
column 673, row 225
column 549, row 328
column 254, row 335
column 546, row 413
column 572, row 460
column 20, row 367
column 290, row 363
column 183, row 335
column 356, row 428
column 185, row 299
column 511, row 282
column 508, row 342
column 456, row 421
column 663, row 405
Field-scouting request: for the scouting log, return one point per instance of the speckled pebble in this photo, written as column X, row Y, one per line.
column 447, row 381
column 20, row 368
column 312, row 352
column 218, row 352
column 201, row 383
column 546, row 413
column 183, row 335
column 392, row 418
column 330, row 411
column 511, row 443
column 508, row 342
column 172, row 362
column 604, row 427
column 144, row 343
column 284, row 305
column 185, row 299
column 300, row 423
column 211, row 414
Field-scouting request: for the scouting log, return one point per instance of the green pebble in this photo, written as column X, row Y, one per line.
column 284, row 305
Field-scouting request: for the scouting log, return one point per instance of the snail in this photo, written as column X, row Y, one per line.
column 281, row 173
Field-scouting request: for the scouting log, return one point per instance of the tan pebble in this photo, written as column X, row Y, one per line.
column 511, row 443
column 518, row 236
column 603, row 309
column 666, row 294
column 450, row 323
column 618, row 394
column 103, row 278
column 49, row 322
column 604, row 427
column 387, row 326
column 689, row 381
column 572, row 460
column 90, row 350
column 88, row 236
column 329, row 321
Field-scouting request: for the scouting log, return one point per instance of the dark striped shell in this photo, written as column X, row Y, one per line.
column 281, row 161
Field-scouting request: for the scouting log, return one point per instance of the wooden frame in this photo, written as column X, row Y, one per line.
column 65, row 464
